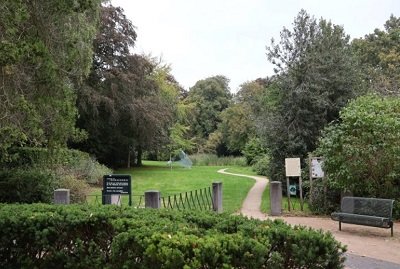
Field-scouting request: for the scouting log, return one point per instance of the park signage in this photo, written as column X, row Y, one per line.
column 117, row 185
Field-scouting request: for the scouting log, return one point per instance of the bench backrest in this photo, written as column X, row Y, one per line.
column 367, row 206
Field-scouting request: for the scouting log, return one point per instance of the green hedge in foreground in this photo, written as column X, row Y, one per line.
column 48, row 236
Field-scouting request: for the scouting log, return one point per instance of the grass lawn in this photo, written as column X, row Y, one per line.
column 295, row 202
column 159, row 176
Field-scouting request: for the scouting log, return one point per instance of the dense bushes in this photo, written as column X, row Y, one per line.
column 362, row 151
column 31, row 174
column 45, row 236
column 32, row 186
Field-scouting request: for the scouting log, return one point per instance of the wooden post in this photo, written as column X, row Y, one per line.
column 301, row 193
column 311, row 178
column 288, row 192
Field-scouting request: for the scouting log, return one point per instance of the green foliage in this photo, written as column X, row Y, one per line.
column 128, row 101
column 214, row 160
column 78, row 188
column 26, row 186
column 109, row 237
column 362, row 151
column 210, row 97
column 316, row 76
column 253, row 151
column 325, row 198
column 261, row 165
column 379, row 56
column 45, row 52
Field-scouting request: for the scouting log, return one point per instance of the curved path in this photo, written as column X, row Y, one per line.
column 368, row 247
column 252, row 204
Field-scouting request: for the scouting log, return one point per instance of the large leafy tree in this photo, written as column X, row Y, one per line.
column 238, row 120
column 124, row 105
column 316, row 76
column 379, row 56
column 209, row 97
column 45, row 53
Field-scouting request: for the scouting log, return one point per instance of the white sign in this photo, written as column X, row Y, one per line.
column 316, row 168
column 292, row 167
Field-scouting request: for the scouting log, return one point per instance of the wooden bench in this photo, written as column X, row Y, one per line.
column 365, row 211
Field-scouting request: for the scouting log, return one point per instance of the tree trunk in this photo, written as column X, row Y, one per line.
column 139, row 156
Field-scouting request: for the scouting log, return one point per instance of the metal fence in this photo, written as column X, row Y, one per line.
column 200, row 199
column 97, row 199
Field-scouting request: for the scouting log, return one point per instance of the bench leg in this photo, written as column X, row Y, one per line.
column 340, row 225
column 391, row 230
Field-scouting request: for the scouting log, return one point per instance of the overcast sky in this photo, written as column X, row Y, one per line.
column 204, row 38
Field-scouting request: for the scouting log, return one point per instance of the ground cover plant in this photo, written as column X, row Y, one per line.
column 78, row 236
column 155, row 175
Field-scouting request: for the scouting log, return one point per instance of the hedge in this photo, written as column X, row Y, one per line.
column 50, row 236
column 26, row 186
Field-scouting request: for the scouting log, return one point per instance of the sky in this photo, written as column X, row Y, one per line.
column 200, row 39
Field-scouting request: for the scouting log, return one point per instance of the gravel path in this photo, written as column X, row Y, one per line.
column 367, row 247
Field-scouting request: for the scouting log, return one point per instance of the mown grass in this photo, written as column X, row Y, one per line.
column 159, row 176
column 294, row 201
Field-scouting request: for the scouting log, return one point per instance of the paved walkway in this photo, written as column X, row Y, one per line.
column 368, row 247
column 252, row 204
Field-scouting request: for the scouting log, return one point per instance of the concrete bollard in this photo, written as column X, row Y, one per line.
column 217, row 196
column 276, row 198
column 62, row 197
column 152, row 199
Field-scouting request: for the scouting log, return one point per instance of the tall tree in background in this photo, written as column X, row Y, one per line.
column 122, row 106
column 237, row 125
column 316, row 76
column 379, row 56
column 45, row 53
column 210, row 97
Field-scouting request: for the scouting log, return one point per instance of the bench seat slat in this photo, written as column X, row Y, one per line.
column 374, row 212
column 362, row 219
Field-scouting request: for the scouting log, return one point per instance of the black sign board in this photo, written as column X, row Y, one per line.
column 117, row 184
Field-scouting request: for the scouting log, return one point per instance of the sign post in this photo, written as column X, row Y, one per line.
column 117, row 184
column 316, row 172
column 293, row 169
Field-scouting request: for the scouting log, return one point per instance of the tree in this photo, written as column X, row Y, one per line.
column 210, row 96
column 379, row 56
column 207, row 99
column 236, row 126
column 125, row 105
column 316, row 76
column 45, row 52
column 362, row 150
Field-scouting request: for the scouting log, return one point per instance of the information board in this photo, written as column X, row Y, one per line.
column 316, row 167
column 292, row 167
column 116, row 184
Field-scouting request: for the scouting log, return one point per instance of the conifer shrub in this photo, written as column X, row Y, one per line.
column 50, row 236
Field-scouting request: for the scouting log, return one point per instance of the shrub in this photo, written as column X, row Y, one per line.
column 253, row 151
column 26, row 186
column 78, row 188
column 63, row 161
column 44, row 236
column 323, row 203
column 261, row 165
column 214, row 160
column 362, row 151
